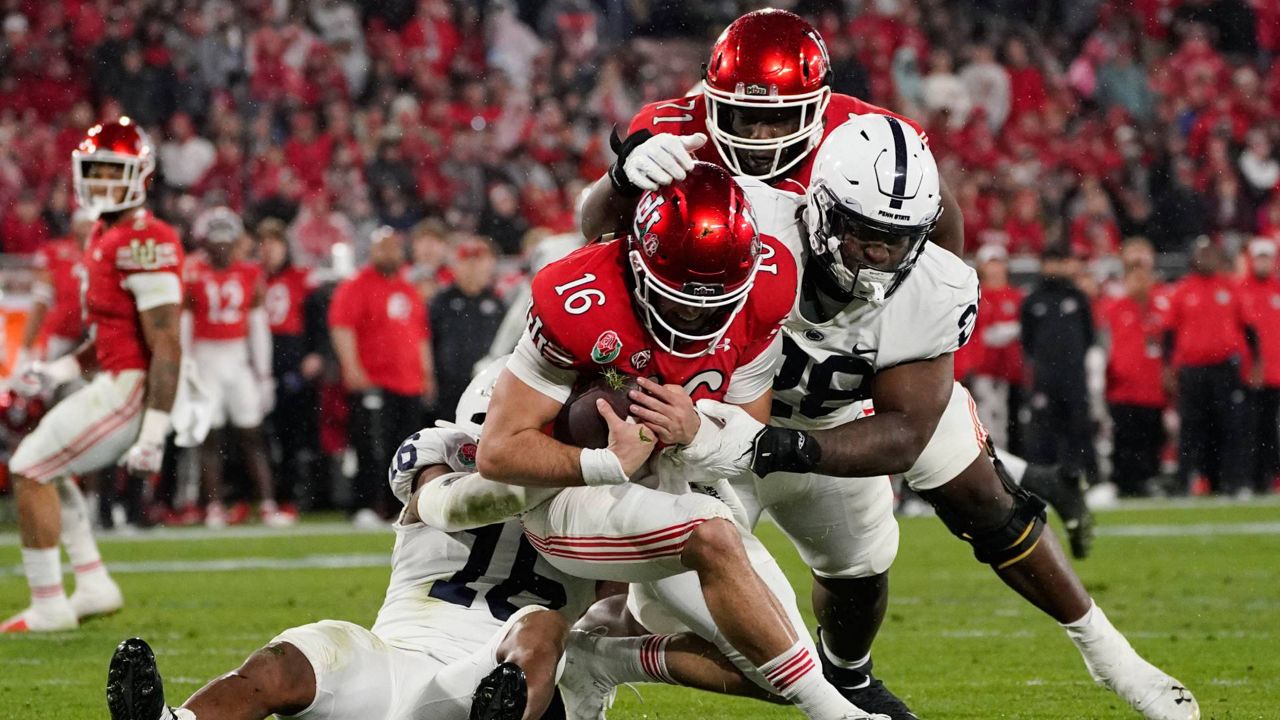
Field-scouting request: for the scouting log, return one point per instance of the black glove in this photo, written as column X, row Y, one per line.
column 778, row 449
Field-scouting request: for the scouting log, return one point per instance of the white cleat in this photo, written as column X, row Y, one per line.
column 215, row 516
column 1152, row 692
column 50, row 616
column 860, row 715
column 279, row 519
column 101, row 596
column 585, row 696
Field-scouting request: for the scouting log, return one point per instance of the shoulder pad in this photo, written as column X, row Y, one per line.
column 575, row 299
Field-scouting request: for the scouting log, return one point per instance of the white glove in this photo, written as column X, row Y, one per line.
column 42, row 377
column 662, row 159
column 266, row 394
column 147, row 453
column 724, row 441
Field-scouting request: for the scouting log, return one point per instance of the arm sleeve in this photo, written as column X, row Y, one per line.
column 535, row 371
column 154, row 289
column 754, row 379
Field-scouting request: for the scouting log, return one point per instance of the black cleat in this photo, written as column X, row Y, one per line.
column 134, row 688
column 501, row 695
column 1063, row 489
column 863, row 689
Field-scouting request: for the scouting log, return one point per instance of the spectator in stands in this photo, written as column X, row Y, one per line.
column 185, row 157
column 380, row 335
column 429, row 258
column 502, row 221
column 1122, row 82
column 988, row 84
column 1131, row 327
column 317, row 229
column 464, row 317
column 1260, row 294
column 1205, row 337
column 22, row 230
column 1180, row 214
column 1057, row 331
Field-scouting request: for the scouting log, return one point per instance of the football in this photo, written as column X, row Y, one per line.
column 579, row 422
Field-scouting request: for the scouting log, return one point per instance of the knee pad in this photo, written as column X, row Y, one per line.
column 1010, row 541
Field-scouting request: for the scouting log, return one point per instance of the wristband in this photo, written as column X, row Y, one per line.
column 601, row 467
column 63, row 370
column 781, row 450
column 622, row 148
column 155, row 426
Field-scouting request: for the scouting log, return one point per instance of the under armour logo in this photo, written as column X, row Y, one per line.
column 1183, row 695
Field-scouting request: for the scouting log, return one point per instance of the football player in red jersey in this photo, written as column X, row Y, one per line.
column 231, row 343
column 765, row 104
column 56, row 312
column 690, row 301
column 133, row 293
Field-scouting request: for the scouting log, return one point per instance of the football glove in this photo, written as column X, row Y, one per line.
column 146, row 455
column 648, row 162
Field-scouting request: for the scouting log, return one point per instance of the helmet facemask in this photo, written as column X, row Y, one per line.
column 724, row 305
column 99, row 193
column 787, row 150
column 840, row 238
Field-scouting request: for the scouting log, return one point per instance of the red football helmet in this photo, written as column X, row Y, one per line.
column 767, row 60
column 18, row 416
column 120, row 143
column 694, row 251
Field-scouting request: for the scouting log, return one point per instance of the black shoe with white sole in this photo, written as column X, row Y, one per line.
column 863, row 689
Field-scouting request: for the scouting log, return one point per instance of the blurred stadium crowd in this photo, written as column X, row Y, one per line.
column 1091, row 144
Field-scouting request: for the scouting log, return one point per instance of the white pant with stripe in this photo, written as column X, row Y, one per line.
column 625, row 533
column 88, row 430
column 844, row 527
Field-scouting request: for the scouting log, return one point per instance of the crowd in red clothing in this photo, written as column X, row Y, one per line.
column 1085, row 122
column 1078, row 124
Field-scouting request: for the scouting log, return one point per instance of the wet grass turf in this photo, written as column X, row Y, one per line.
column 1202, row 602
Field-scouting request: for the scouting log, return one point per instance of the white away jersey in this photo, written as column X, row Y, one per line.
column 452, row 588
column 827, row 367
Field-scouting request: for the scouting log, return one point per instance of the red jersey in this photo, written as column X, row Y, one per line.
column 582, row 317
column 389, row 321
column 994, row 350
column 137, row 244
column 1207, row 320
column 61, row 258
column 220, row 299
column 688, row 115
column 1261, row 301
column 1135, row 368
column 285, row 297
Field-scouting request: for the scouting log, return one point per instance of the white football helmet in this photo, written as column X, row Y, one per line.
column 218, row 224
column 474, row 403
column 873, row 198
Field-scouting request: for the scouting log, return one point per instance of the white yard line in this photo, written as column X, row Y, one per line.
column 323, row 562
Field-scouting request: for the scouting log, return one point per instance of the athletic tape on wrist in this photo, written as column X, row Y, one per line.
column 601, row 467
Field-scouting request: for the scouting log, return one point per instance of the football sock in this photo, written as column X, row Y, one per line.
column 1103, row 648
column 77, row 535
column 795, row 675
column 632, row 659
column 847, row 674
column 44, row 575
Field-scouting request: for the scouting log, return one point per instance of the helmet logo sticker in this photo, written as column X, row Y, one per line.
column 607, row 348
column 649, row 243
column 648, row 214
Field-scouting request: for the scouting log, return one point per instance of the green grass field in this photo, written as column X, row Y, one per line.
column 1196, row 588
